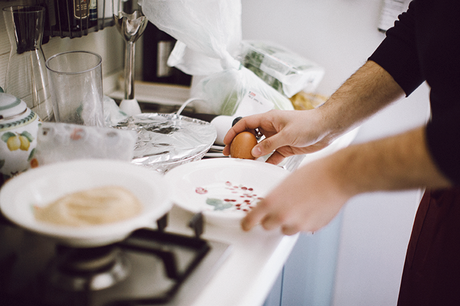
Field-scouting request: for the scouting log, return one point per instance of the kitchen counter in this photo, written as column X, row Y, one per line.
column 248, row 274
column 256, row 259
column 253, row 264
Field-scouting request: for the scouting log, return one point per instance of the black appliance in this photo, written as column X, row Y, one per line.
column 157, row 46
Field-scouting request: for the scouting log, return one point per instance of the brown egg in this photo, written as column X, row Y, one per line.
column 242, row 145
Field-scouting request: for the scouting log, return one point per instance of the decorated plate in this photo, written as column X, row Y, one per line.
column 224, row 190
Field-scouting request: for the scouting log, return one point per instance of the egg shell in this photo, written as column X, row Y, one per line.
column 242, row 145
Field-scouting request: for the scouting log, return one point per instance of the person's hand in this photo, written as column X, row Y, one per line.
column 286, row 133
column 306, row 201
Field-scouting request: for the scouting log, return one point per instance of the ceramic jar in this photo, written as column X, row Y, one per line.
column 18, row 135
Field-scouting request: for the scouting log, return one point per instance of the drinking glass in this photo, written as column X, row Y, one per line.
column 76, row 87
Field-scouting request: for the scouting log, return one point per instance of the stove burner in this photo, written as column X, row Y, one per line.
column 150, row 267
column 87, row 269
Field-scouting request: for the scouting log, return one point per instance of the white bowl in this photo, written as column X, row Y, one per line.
column 221, row 188
column 43, row 185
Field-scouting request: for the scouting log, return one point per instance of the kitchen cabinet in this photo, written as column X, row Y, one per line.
column 308, row 276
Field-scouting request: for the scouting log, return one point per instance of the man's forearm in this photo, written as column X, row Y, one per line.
column 394, row 163
column 366, row 92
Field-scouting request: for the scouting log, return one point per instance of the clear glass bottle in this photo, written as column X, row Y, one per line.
column 26, row 76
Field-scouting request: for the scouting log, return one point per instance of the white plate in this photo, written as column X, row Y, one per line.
column 42, row 185
column 222, row 188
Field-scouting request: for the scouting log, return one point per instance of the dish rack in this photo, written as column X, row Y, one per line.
column 77, row 18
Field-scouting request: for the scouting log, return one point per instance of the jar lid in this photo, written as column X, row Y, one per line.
column 10, row 106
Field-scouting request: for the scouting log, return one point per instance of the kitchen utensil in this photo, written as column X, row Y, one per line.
column 26, row 74
column 76, row 83
column 131, row 27
column 223, row 189
column 40, row 186
column 167, row 140
column 18, row 134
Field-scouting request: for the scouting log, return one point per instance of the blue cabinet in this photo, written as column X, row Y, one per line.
column 308, row 276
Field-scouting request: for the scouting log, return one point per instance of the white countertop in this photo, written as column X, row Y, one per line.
column 248, row 274
column 256, row 258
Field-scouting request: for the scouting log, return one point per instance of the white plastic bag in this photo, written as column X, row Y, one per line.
column 210, row 29
column 209, row 37
column 281, row 68
column 231, row 87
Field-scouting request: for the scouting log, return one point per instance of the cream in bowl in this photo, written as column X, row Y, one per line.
column 95, row 206
column 52, row 200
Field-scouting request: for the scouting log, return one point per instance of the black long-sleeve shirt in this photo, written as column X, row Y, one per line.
column 424, row 45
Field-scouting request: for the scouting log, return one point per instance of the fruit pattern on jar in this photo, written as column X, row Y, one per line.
column 18, row 141
column 15, row 141
column 226, row 196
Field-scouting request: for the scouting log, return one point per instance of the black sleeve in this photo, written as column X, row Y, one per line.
column 397, row 53
column 422, row 46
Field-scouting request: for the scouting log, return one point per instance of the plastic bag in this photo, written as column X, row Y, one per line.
column 282, row 69
column 209, row 37
column 57, row 142
column 210, row 29
column 232, row 87
column 112, row 112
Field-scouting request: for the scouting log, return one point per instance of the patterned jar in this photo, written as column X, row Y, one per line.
column 18, row 135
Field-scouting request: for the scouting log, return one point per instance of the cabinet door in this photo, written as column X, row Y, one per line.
column 308, row 276
column 274, row 297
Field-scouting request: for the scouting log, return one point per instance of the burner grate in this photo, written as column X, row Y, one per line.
column 151, row 267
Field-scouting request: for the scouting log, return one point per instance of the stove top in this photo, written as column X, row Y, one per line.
column 150, row 267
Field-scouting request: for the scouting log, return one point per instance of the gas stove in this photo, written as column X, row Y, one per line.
column 150, row 267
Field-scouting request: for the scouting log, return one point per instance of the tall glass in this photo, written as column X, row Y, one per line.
column 76, row 87
column 26, row 73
